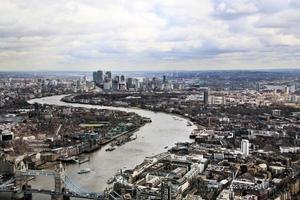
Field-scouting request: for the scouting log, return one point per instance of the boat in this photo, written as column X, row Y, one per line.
column 66, row 159
column 147, row 120
column 166, row 147
column 189, row 124
column 110, row 149
column 194, row 134
column 84, row 171
column 134, row 138
column 110, row 180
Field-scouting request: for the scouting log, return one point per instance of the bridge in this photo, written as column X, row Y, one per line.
column 64, row 186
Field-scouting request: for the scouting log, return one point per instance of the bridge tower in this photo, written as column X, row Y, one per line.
column 22, row 181
column 59, row 183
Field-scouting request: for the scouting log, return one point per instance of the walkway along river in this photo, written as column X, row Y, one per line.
column 165, row 130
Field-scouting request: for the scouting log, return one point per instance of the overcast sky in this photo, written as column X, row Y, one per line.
column 149, row 35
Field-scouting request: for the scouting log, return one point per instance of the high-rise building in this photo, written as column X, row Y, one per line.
column 164, row 79
column 115, row 83
column 245, row 147
column 257, row 87
column 129, row 83
column 98, row 77
column 108, row 75
column 117, row 79
column 205, row 96
column 122, row 78
column 107, row 85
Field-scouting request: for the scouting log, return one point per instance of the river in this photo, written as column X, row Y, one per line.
column 165, row 130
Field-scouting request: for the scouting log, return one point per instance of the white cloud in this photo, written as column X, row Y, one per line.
column 135, row 35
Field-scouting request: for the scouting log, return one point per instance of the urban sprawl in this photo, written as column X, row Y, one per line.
column 245, row 144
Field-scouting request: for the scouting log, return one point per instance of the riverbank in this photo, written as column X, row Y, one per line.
column 152, row 139
column 78, row 130
column 70, row 99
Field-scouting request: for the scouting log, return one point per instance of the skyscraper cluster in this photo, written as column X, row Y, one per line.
column 105, row 81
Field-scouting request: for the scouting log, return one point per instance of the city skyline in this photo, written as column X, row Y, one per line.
column 149, row 35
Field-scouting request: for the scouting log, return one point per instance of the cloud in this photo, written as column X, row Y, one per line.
column 138, row 35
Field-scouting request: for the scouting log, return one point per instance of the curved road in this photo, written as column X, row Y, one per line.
column 165, row 130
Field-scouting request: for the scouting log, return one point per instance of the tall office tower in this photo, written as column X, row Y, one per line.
column 135, row 83
column 98, row 77
column 154, row 83
column 108, row 75
column 205, row 96
column 164, row 79
column 245, row 147
column 107, row 85
column 257, row 87
column 122, row 78
column 129, row 83
column 115, row 83
column 117, row 79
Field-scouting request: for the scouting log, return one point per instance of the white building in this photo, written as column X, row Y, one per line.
column 245, row 147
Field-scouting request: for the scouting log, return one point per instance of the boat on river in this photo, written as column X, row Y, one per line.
column 84, row 171
column 110, row 149
column 67, row 159
column 110, row 180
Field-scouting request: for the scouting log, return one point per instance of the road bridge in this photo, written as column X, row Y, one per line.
column 64, row 186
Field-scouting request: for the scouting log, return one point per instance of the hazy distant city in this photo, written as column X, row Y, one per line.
column 150, row 100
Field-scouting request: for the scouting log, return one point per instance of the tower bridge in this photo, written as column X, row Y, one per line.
column 64, row 186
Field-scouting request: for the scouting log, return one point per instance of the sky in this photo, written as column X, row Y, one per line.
column 149, row 34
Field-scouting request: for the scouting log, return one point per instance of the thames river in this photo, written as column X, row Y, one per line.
column 165, row 130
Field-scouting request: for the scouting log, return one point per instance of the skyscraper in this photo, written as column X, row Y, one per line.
column 122, row 78
column 98, row 77
column 245, row 147
column 108, row 75
column 257, row 86
column 115, row 83
column 205, row 96
column 129, row 83
column 164, row 79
